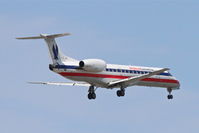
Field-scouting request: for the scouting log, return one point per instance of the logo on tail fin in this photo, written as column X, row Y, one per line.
column 55, row 52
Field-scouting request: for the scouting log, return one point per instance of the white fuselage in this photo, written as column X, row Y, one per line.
column 116, row 72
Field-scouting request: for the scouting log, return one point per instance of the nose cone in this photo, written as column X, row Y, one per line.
column 177, row 84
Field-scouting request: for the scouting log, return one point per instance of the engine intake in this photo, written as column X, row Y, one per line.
column 81, row 64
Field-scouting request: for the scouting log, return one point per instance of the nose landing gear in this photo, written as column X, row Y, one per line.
column 170, row 96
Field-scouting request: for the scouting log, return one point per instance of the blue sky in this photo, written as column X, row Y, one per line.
column 137, row 32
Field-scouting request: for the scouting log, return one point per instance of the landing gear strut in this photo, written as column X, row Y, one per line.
column 91, row 93
column 170, row 96
column 121, row 92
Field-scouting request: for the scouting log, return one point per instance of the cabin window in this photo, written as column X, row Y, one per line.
column 135, row 72
column 118, row 70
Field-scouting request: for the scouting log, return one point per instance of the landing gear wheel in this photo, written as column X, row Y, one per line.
column 120, row 93
column 170, row 96
column 91, row 96
column 91, row 93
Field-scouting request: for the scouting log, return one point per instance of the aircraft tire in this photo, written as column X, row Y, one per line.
column 120, row 93
column 170, row 96
column 91, row 96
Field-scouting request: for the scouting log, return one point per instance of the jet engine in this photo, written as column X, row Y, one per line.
column 92, row 65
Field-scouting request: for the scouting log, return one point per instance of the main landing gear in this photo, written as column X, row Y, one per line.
column 121, row 92
column 91, row 93
column 170, row 96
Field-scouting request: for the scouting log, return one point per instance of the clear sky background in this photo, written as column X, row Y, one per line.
column 162, row 33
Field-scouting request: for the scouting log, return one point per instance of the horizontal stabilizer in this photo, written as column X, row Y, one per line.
column 61, row 83
column 43, row 36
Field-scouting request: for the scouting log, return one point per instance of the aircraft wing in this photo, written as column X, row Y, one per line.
column 61, row 83
column 134, row 80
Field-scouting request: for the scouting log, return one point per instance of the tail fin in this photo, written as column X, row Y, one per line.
column 56, row 55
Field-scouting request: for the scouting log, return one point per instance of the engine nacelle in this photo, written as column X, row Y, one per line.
column 92, row 65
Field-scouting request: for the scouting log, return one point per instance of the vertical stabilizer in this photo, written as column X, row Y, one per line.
column 53, row 49
column 56, row 56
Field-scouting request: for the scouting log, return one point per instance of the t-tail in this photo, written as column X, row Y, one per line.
column 55, row 53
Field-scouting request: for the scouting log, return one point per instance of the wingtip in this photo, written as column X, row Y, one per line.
column 29, row 82
column 67, row 33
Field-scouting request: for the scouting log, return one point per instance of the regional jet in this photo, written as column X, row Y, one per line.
column 96, row 73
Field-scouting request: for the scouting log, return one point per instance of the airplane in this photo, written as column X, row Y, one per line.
column 96, row 73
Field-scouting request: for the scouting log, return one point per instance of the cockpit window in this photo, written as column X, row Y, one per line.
column 169, row 74
column 165, row 74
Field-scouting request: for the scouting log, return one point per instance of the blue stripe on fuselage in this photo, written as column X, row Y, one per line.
column 66, row 67
column 75, row 67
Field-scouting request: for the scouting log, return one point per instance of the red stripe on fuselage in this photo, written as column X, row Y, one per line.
column 93, row 75
column 160, row 80
column 117, row 77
